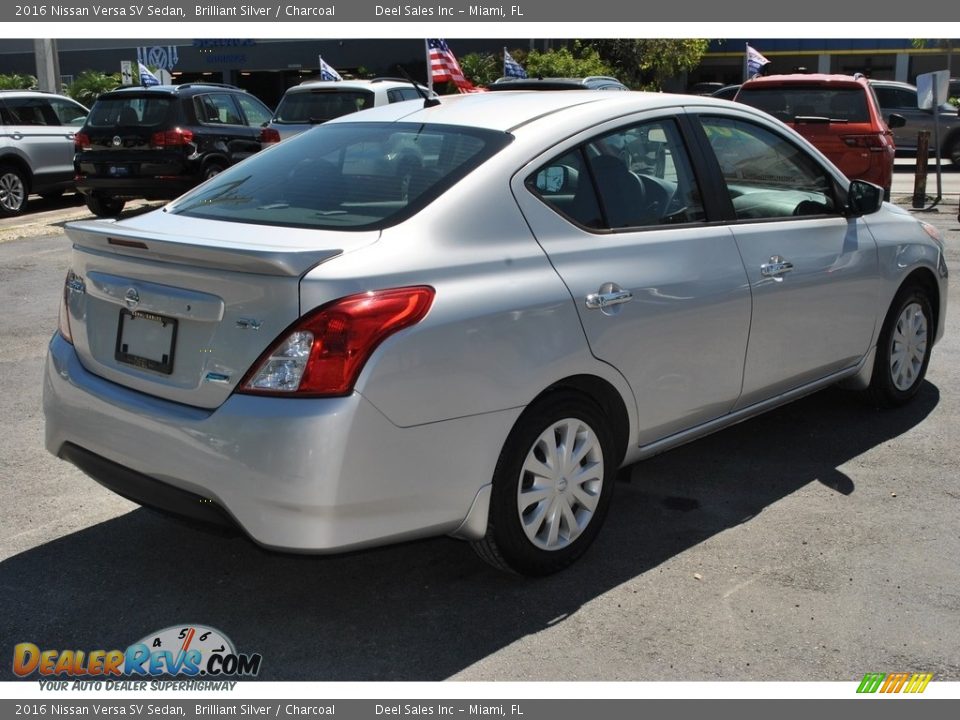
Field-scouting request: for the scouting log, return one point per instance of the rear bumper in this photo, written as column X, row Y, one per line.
column 306, row 475
column 149, row 188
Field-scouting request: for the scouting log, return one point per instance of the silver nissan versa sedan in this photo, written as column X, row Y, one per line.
column 464, row 318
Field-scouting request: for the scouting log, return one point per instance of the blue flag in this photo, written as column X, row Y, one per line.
column 755, row 62
column 511, row 68
column 327, row 72
column 147, row 78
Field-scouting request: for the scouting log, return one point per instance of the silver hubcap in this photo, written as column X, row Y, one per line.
column 560, row 484
column 909, row 346
column 11, row 191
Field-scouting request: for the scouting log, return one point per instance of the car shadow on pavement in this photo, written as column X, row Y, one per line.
column 426, row 610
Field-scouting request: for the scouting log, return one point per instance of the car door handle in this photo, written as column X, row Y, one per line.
column 776, row 267
column 601, row 300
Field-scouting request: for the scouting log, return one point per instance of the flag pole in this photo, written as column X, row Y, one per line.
column 746, row 60
column 426, row 49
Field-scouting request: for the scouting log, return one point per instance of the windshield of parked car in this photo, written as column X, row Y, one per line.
column 129, row 110
column 317, row 106
column 786, row 103
column 350, row 176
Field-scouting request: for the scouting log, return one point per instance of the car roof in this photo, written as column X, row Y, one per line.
column 509, row 110
column 805, row 79
column 554, row 83
column 173, row 89
column 316, row 83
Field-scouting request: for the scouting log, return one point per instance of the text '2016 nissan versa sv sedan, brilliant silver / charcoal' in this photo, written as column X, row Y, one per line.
column 464, row 318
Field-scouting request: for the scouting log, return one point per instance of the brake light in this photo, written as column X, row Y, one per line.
column 72, row 283
column 322, row 354
column 866, row 141
column 269, row 136
column 81, row 141
column 171, row 138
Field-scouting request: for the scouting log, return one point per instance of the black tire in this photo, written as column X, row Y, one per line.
column 14, row 191
column 508, row 544
column 903, row 348
column 212, row 169
column 104, row 206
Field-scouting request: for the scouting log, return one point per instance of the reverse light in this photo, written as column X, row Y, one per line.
column 322, row 354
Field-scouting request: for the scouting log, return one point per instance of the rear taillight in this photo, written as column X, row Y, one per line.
column 72, row 283
column 171, row 138
column 322, row 354
column 269, row 136
column 81, row 141
column 874, row 142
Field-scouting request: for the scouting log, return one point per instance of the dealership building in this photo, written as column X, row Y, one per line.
column 267, row 67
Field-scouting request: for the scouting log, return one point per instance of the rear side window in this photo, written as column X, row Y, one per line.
column 788, row 103
column 128, row 111
column 402, row 94
column 349, row 176
column 216, row 109
column 318, row 106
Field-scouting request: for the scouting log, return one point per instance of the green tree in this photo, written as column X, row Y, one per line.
column 17, row 82
column 648, row 64
column 481, row 68
column 91, row 84
column 578, row 61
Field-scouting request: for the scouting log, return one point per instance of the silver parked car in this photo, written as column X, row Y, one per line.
column 463, row 319
column 36, row 146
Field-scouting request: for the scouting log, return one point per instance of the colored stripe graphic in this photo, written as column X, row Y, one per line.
column 895, row 682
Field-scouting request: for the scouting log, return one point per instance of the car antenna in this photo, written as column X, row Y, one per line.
column 427, row 100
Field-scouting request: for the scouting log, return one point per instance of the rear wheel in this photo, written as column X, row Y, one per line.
column 104, row 206
column 212, row 169
column 903, row 348
column 13, row 191
column 551, row 486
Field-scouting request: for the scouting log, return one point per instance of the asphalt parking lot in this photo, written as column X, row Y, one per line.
column 819, row 542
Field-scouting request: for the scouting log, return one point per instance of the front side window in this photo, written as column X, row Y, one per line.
column 68, row 112
column 636, row 177
column 257, row 113
column 345, row 176
column 766, row 175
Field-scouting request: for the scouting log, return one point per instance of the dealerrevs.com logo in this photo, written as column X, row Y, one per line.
column 190, row 651
column 887, row 683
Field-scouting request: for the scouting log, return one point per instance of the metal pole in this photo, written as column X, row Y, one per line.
column 920, row 174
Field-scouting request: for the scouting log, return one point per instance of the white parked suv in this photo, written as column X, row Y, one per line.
column 316, row 101
column 36, row 146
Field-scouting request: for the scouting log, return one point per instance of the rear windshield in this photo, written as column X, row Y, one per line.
column 348, row 176
column 318, row 106
column 129, row 111
column 786, row 103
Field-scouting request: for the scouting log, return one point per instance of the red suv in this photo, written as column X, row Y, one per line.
column 839, row 114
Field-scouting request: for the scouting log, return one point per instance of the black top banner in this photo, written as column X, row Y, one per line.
column 299, row 11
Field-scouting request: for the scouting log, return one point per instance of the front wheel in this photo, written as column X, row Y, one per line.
column 104, row 206
column 903, row 348
column 551, row 486
column 13, row 191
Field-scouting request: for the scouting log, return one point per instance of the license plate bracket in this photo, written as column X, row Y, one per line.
column 146, row 340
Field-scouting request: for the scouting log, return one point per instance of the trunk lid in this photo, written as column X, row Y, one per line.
column 180, row 308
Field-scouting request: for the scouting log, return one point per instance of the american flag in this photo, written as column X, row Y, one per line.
column 444, row 66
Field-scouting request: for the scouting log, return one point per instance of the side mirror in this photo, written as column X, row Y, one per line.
column 896, row 121
column 555, row 179
column 863, row 198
